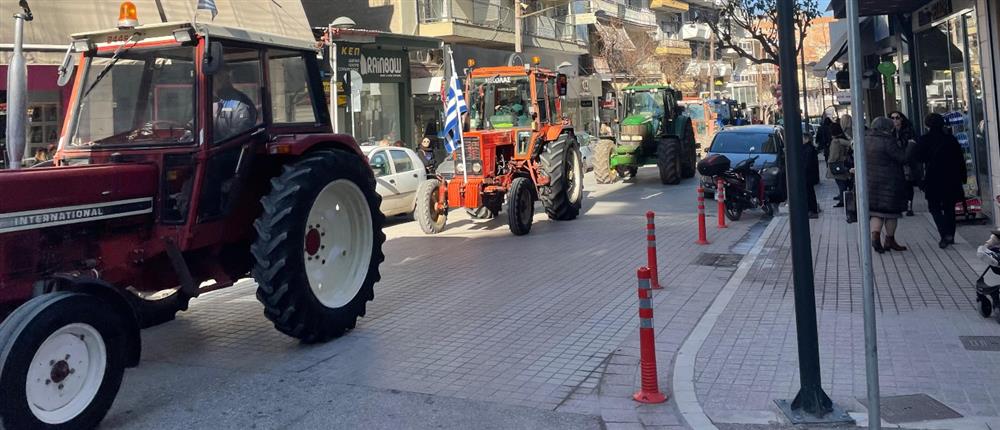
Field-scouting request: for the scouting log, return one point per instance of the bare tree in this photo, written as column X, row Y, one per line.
column 631, row 56
column 757, row 19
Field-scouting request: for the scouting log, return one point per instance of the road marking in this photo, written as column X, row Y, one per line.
column 652, row 195
column 685, row 395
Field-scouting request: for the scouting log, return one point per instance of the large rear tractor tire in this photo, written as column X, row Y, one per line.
column 520, row 206
column 563, row 196
column 430, row 214
column 668, row 160
column 689, row 164
column 602, row 162
column 63, row 355
column 319, row 246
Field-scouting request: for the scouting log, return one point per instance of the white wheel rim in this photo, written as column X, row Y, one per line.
column 338, row 243
column 66, row 373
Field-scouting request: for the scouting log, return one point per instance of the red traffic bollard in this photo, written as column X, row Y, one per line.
column 720, row 196
column 649, row 390
column 702, row 236
column 651, row 251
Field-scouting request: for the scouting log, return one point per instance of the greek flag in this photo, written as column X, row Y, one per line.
column 454, row 109
column 208, row 5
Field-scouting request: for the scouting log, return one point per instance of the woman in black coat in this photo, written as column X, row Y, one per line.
column 906, row 137
column 886, row 183
column 944, row 175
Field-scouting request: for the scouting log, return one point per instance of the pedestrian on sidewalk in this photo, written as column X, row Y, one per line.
column 824, row 138
column 906, row 138
column 945, row 174
column 811, row 162
column 886, row 184
column 847, row 124
column 839, row 162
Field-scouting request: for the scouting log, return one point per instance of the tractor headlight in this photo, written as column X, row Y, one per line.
column 477, row 168
column 633, row 138
column 459, row 168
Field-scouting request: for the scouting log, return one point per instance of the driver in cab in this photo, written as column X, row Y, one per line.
column 232, row 111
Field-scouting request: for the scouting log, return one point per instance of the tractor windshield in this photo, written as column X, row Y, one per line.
column 645, row 103
column 499, row 102
column 142, row 97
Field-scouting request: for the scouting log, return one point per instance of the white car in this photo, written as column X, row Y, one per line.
column 398, row 173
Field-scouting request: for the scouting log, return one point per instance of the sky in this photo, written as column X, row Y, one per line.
column 823, row 4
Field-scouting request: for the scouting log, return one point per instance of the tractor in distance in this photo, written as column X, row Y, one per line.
column 517, row 149
column 654, row 130
column 192, row 155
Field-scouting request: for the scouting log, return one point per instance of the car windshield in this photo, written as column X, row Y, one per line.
column 744, row 143
column 145, row 97
column 499, row 102
column 645, row 103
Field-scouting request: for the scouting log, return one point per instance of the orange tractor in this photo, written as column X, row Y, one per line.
column 516, row 149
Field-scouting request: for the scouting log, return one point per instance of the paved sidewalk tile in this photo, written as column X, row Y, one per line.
column 925, row 300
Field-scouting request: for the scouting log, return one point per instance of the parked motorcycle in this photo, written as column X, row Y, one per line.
column 744, row 186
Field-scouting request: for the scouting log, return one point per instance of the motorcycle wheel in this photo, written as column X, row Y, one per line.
column 733, row 211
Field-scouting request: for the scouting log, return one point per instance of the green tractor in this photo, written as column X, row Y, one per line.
column 654, row 130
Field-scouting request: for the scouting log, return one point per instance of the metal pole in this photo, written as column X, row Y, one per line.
column 333, row 82
column 517, row 27
column 711, row 66
column 805, row 87
column 17, row 94
column 861, row 194
column 811, row 404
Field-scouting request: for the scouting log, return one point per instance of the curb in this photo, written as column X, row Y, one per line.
column 685, row 396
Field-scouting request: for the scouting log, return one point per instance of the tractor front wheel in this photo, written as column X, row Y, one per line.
column 520, row 206
column 668, row 160
column 602, row 161
column 319, row 246
column 63, row 355
column 563, row 196
column 431, row 213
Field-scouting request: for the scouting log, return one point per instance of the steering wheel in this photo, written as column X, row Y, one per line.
column 150, row 128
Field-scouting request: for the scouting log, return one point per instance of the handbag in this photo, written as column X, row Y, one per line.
column 839, row 168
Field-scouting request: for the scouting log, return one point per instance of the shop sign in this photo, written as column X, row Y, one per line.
column 844, row 97
column 933, row 12
column 374, row 65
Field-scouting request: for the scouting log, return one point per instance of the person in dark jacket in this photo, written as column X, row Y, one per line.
column 945, row 173
column 886, row 183
column 905, row 137
column 824, row 137
column 811, row 161
column 840, row 152
column 428, row 155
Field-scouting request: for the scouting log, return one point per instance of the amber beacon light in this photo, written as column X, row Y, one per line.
column 128, row 16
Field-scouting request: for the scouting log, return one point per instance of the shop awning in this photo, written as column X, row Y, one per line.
column 56, row 20
column 877, row 7
column 431, row 85
column 838, row 46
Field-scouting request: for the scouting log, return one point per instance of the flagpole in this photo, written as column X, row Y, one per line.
column 461, row 141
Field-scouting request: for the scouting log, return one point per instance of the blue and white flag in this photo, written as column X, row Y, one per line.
column 454, row 108
column 208, row 5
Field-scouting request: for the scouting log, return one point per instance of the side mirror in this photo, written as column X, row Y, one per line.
column 214, row 60
column 66, row 68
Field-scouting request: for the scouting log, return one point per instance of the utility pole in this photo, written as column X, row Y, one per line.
column 811, row 405
column 711, row 66
column 518, row 42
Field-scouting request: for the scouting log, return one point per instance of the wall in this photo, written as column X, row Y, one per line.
column 989, row 24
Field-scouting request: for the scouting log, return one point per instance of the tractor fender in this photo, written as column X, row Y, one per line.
column 555, row 130
column 116, row 297
column 298, row 144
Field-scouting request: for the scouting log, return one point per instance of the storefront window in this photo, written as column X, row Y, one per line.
column 952, row 80
column 372, row 115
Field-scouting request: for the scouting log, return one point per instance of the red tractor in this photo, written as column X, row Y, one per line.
column 517, row 149
column 191, row 156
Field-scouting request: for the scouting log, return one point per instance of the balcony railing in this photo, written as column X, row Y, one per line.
column 492, row 14
column 624, row 12
column 552, row 28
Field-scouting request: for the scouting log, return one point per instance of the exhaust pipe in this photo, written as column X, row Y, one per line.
column 17, row 91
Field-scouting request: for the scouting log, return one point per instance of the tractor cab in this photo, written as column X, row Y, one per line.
column 649, row 112
column 509, row 108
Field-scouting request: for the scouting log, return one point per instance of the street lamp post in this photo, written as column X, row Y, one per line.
column 811, row 405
